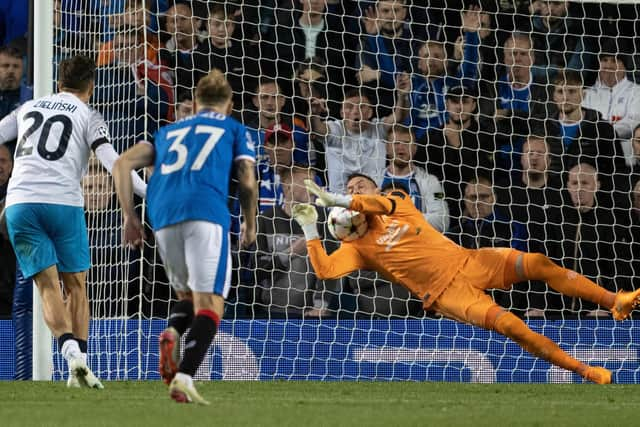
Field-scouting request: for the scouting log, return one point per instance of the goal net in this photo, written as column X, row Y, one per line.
column 522, row 124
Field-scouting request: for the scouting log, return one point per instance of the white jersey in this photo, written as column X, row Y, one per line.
column 55, row 136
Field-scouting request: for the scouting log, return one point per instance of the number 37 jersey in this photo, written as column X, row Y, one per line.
column 55, row 135
column 192, row 168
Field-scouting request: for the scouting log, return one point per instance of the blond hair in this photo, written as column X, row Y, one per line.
column 213, row 89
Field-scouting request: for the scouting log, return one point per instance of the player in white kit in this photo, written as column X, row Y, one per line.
column 44, row 204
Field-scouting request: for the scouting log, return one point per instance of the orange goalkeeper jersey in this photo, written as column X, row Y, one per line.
column 400, row 244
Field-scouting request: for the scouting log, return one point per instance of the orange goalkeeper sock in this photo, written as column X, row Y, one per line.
column 540, row 346
column 565, row 281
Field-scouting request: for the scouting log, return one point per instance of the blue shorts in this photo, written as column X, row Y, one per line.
column 44, row 234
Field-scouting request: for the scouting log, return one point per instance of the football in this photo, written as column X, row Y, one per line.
column 346, row 225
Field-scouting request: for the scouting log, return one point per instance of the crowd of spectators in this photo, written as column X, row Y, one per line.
column 509, row 124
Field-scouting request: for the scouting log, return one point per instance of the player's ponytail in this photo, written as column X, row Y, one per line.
column 213, row 89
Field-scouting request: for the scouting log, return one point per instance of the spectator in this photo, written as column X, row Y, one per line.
column 184, row 108
column 7, row 257
column 425, row 189
column 134, row 96
column 635, row 235
column 287, row 284
column 182, row 51
column 14, row 21
column 428, row 88
column 227, row 50
column 278, row 147
column 508, row 103
column 483, row 224
column 478, row 20
column 387, row 47
column 576, row 239
column 582, row 133
column 453, row 154
column 6, row 166
column 378, row 298
column 613, row 95
column 13, row 90
column 559, row 40
column 530, row 197
column 281, row 153
column 135, row 14
column 299, row 35
column 269, row 102
column 533, row 192
column 106, row 275
column 355, row 143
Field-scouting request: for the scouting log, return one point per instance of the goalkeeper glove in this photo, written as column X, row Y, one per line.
column 307, row 216
column 326, row 199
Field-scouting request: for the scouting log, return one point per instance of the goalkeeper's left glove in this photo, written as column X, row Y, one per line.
column 307, row 216
column 326, row 199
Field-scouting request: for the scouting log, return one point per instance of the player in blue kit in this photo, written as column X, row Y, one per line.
column 187, row 197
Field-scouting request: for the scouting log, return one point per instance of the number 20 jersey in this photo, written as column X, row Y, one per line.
column 192, row 168
column 55, row 135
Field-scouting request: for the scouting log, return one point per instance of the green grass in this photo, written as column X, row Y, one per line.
column 308, row 404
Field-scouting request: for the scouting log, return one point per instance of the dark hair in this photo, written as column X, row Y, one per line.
column 361, row 175
column 131, row 31
column 393, row 185
column 11, row 51
column 227, row 10
column 77, row 73
column 356, row 93
column 568, row 77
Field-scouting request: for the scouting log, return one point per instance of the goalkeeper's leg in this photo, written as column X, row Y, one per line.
column 512, row 327
column 532, row 266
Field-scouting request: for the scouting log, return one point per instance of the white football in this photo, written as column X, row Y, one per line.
column 346, row 225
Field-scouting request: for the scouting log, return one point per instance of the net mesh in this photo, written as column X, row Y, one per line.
column 522, row 116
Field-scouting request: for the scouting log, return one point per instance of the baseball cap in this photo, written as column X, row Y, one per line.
column 283, row 130
column 461, row 90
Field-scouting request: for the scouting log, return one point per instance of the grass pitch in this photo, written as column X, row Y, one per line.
column 308, row 404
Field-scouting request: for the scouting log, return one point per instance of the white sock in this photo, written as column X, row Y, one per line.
column 187, row 379
column 83, row 356
column 70, row 350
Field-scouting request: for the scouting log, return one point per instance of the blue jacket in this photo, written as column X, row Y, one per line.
column 427, row 100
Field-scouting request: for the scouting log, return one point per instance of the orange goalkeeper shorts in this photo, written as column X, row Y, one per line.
column 465, row 298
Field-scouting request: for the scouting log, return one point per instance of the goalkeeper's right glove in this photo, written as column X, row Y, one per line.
column 307, row 216
column 326, row 199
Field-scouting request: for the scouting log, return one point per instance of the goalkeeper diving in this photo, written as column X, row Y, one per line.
column 451, row 280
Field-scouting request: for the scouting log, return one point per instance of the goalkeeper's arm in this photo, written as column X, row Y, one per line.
column 367, row 204
column 340, row 263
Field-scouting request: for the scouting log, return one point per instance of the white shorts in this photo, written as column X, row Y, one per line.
column 196, row 256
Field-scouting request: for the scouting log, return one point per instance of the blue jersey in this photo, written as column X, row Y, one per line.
column 193, row 165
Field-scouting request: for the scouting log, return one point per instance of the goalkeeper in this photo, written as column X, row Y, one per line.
column 450, row 279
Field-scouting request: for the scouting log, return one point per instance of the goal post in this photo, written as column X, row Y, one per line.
column 42, row 85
